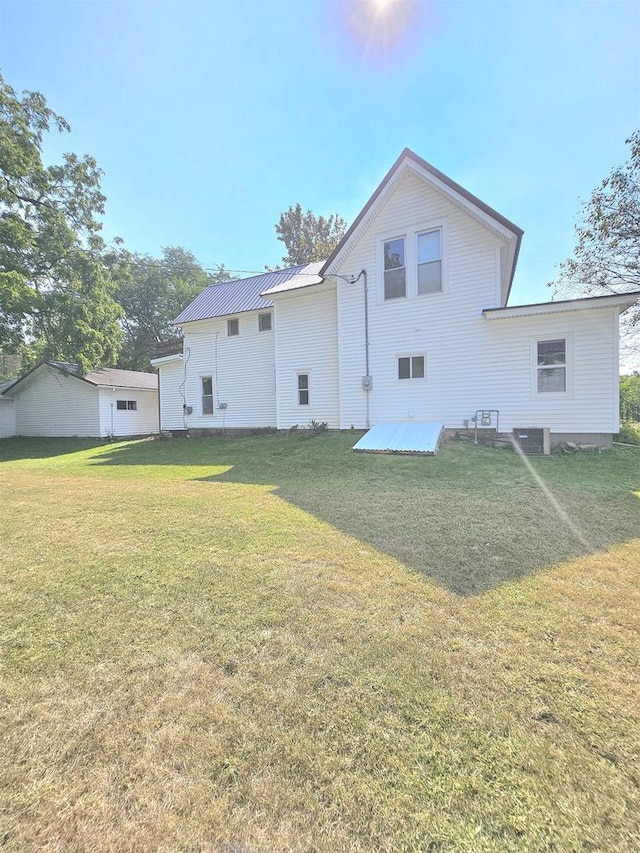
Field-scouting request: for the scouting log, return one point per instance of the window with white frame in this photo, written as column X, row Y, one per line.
column 430, row 261
column 303, row 389
column 551, row 366
column 264, row 322
column 411, row 367
column 233, row 327
column 395, row 271
column 127, row 405
column 207, row 395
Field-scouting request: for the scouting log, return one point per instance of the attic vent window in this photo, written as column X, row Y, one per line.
column 395, row 272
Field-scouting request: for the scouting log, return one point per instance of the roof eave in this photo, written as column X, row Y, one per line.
column 439, row 178
column 623, row 301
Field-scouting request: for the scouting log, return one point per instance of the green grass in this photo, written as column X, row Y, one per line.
column 277, row 644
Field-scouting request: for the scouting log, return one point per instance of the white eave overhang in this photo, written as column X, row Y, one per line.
column 166, row 358
column 589, row 303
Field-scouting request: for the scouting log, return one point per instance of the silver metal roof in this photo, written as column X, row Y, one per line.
column 235, row 297
column 402, row 438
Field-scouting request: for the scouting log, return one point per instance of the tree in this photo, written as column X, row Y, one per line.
column 152, row 292
column 56, row 294
column 606, row 258
column 630, row 397
column 308, row 237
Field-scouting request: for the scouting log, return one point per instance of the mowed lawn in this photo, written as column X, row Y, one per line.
column 275, row 644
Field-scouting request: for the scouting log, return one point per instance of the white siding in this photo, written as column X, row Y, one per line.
column 7, row 417
column 448, row 327
column 170, row 377
column 53, row 404
column 307, row 342
column 242, row 369
column 142, row 421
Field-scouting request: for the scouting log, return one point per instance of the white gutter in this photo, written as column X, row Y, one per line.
column 621, row 301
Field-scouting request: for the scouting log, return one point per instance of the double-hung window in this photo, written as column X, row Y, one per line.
column 430, row 262
column 303, row 389
column 233, row 327
column 551, row 366
column 207, row 395
column 411, row 367
column 395, row 271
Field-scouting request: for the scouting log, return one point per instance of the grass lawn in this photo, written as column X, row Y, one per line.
column 275, row 644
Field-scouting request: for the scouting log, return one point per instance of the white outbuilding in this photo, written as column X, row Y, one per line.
column 54, row 399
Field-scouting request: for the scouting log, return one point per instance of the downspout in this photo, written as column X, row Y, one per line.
column 366, row 379
column 366, row 344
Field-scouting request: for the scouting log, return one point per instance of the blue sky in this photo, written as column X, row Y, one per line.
column 211, row 118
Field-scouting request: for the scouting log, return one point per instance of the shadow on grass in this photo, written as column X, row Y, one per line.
column 23, row 447
column 470, row 518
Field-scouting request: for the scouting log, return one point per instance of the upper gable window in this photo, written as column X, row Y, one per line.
column 395, row 271
column 430, row 262
column 233, row 327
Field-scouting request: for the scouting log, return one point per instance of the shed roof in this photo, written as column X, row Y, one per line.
column 238, row 296
column 101, row 377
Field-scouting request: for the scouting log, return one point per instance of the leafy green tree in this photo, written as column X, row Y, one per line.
column 630, row 397
column 308, row 237
column 152, row 292
column 56, row 294
column 606, row 258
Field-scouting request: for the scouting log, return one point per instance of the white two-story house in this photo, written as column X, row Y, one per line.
column 407, row 321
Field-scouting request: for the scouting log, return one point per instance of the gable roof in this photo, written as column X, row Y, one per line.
column 454, row 189
column 101, row 377
column 238, row 296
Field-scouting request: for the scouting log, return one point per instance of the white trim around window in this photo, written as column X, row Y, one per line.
column 233, row 327
column 421, row 253
column 206, row 395
column 411, row 366
column 552, row 365
column 302, row 389
column 265, row 322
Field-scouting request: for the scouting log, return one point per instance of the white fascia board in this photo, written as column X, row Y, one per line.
column 461, row 201
column 164, row 360
column 589, row 303
column 328, row 282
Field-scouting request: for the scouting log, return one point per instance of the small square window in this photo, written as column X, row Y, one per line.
column 303, row 389
column 264, row 322
column 121, row 405
column 233, row 327
column 132, row 405
column 411, row 367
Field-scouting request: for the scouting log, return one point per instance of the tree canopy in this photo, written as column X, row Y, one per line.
column 606, row 258
column 56, row 294
column 308, row 237
column 152, row 292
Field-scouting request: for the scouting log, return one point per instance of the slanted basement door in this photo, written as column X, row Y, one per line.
column 422, row 438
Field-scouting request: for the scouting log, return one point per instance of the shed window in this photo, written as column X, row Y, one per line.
column 264, row 322
column 411, row 367
column 552, row 366
column 395, row 273
column 233, row 327
column 207, row 395
column 303, row 389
